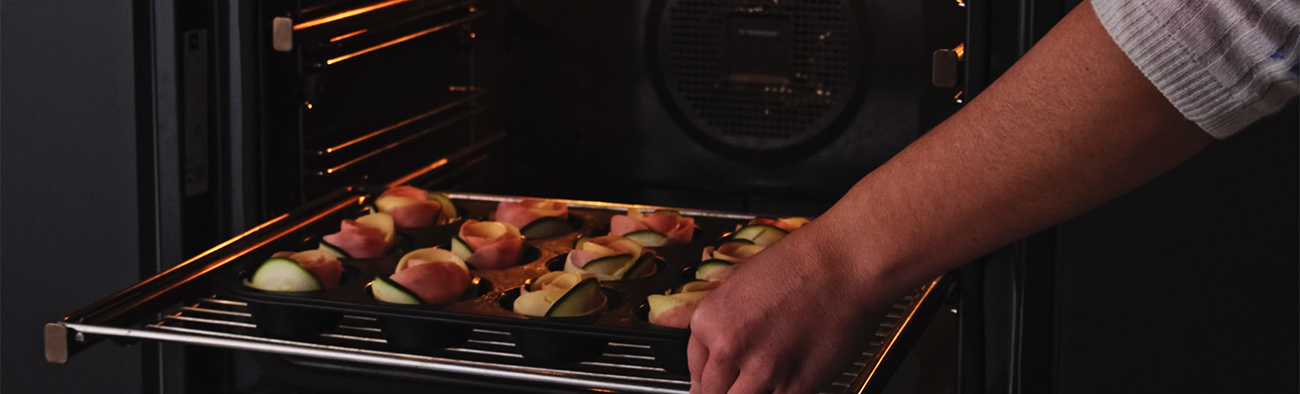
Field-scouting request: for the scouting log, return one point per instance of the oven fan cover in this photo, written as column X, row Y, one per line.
column 754, row 77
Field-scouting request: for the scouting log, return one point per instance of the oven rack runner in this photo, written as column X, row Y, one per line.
column 625, row 367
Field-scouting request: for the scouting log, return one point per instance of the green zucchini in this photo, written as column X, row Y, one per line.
column 760, row 234
column 331, row 250
column 281, row 274
column 577, row 243
column 649, row 238
column 460, row 248
column 577, row 301
column 387, row 290
column 706, row 268
column 643, row 267
column 448, row 208
column 546, row 227
column 608, row 265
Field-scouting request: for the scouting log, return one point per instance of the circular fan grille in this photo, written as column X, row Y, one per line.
column 795, row 102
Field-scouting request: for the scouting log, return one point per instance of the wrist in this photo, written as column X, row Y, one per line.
column 874, row 273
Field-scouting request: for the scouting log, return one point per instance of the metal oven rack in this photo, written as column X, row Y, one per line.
column 197, row 318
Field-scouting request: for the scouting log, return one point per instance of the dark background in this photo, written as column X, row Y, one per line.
column 69, row 186
column 1186, row 285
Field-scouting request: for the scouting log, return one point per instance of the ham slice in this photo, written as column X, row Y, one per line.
column 326, row 268
column 678, row 228
column 435, row 282
column 368, row 237
column 410, row 207
column 496, row 245
column 734, row 252
column 520, row 214
column 674, row 310
column 608, row 245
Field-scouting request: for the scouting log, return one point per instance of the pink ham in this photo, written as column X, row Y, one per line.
column 520, row 214
column 359, row 240
column 620, row 224
column 326, row 268
column 734, row 252
column 408, row 192
column 678, row 316
column 677, row 227
column 496, row 245
column 674, row 310
column 435, row 282
column 410, row 206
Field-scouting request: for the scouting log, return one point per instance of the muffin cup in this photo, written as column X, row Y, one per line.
column 290, row 322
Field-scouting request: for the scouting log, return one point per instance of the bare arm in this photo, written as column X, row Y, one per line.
column 1071, row 126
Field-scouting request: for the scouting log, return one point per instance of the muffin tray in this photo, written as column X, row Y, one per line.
column 487, row 305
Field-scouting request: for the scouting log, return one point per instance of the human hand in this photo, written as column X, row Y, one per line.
column 789, row 320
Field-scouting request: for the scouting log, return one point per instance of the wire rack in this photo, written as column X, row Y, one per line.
column 625, row 367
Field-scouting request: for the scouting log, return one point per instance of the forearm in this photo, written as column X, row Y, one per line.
column 1071, row 126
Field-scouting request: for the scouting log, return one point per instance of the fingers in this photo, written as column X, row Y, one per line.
column 696, row 356
column 752, row 383
column 717, row 377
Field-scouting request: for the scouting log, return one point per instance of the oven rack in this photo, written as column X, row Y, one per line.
column 625, row 367
column 176, row 306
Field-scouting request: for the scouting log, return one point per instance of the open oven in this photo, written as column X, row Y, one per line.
column 266, row 120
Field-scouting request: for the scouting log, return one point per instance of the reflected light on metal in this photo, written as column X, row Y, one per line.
column 401, row 39
column 425, row 170
column 345, row 36
column 346, row 14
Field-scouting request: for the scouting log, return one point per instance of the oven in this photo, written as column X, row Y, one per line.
column 264, row 120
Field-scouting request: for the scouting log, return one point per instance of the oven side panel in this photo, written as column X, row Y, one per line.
column 69, row 162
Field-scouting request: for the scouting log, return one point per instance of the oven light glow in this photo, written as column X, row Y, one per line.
column 346, row 14
column 345, row 36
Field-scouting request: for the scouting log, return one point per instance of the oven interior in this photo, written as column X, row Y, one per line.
column 284, row 108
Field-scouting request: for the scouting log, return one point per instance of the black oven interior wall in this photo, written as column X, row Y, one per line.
column 769, row 107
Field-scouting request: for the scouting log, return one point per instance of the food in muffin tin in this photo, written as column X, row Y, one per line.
column 733, row 252
column 675, row 310
column 561, row 294
column 297, row 271
column 536, row 218
column 488, row 245
column 428, row 276
column 610, row 258
column 366, row 237
column 787, row 224
column 414, row 207
column 653, row 229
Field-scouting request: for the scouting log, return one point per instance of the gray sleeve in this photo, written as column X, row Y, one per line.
column 1223, row 63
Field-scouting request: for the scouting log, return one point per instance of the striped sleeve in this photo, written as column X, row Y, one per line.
column 1224, row 64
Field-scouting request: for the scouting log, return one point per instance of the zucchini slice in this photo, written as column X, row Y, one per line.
column 760, row 234
column 736, row 240
column 709, row 267
column 577, row 301
column 387, row 290
column 582, row 239
column 643, row 267
column 546, row 227
column 460, row 248
column 649, row 238
column 448, row 208
column 331, row 250
column 281, row 274
column 608, row 265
